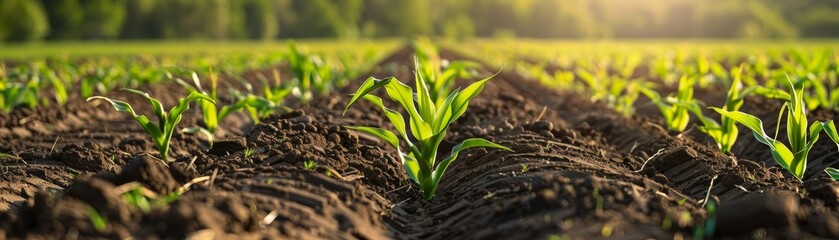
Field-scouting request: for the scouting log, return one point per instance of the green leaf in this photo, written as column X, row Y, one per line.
column 747, row 120
column 395, row 117
column 780, row 152
column 61, row 95
column 444, row 114
column 815, row 129
column 378, row 132
column 734, row 97
column 176, row 112
column 833, row 173
column 461, row 101
column 402, row 94
column 210, row 115
column 796, row 120
column 767, row 92
column 184, row 84
column 210, row 136
column 411, row 166
column 227, row 110
column 427, row 110
column 368, row 86
column 153, row 130
column 156, row 106
column 99, row 222
column 830, row 130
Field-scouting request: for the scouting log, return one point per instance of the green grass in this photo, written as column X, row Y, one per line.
column 83, row 49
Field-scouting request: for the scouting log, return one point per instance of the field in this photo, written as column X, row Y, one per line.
column 564, row 140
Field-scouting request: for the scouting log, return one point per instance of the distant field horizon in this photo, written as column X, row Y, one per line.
column 170, row 47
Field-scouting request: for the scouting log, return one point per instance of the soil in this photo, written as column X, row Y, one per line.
column 578, row 170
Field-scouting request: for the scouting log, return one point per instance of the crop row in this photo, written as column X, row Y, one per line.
column 804, row 79
column 431, row 108
column 54, row 80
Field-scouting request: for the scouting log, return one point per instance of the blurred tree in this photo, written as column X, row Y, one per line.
column 259, row 19
column 560, row 19
column 451, row 19
column 22, row 20
column 269, row 19
column 820, row 22
column 140, row 22
column 65, row 18
column 741, row 18
column 188, row 19
column 85, row 19
column 500, row 17
column 102, row 18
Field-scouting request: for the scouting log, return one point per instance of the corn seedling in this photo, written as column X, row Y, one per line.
column 276, row 92
column 311, row 74
column 58, row 85
column 310, row 165
column 161, row 133
column 725, row 134
column 16, row 94
column 6, row 155
column 676, row 116
column 257, row 107
column 249, row 152
column 801, row 138
column 823, row 93
column 211, row 113
column 99, row 222
column 438, row 74
column 428, row 123
column 136, row 198
column 145, row 199
column 617, row 92
column 623, row 94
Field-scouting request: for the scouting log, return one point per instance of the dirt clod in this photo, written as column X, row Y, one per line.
column 758, row 210
column 227, row 146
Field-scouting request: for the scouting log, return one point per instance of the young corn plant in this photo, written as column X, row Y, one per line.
column 14, row 94
column 676, row 116
column 276, row 91
column 800, row 136
column 161, row 132
column 438, row 74
column 725, row 134
column 312, row 75
column 428, row 123
column 256, row 106
column 61, row 95
column 211, row 113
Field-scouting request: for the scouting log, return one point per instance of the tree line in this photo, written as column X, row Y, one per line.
column 33, row 20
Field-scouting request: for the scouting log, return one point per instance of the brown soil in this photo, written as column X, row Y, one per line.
column 590, row 173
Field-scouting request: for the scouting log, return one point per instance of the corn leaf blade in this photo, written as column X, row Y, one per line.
column 368, row 86
column 780, row 152
column 383, row 134
column 461, row 101
column 402, row 94
column 833, row 173
column 395, row 117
